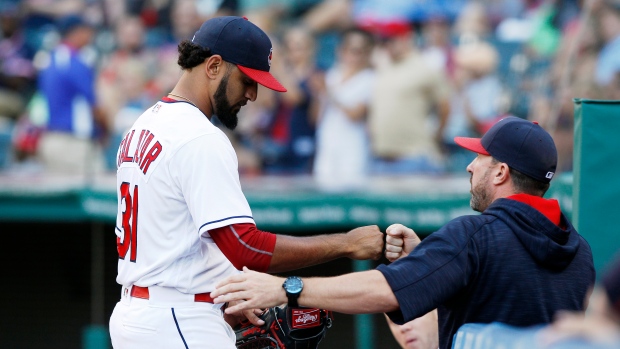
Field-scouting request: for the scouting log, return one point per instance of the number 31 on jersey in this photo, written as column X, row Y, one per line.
column 129, row 224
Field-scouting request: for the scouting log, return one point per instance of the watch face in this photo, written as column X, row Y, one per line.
column 293, row 285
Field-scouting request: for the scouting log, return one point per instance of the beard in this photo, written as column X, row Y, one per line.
column 480, row 196
column 223, row 110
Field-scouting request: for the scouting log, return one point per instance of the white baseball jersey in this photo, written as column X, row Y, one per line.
column 177, row 179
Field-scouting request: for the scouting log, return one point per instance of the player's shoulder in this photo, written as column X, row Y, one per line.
column 469, row 225
column 177, row 124
column 178, row 121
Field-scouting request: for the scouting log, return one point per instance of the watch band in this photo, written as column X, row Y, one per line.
column 292, row 300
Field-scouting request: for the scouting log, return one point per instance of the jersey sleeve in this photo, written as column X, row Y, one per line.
column 245, row 245
column 435, row 271
column 206, row 171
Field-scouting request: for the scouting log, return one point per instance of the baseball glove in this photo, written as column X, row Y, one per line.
column 285, row 328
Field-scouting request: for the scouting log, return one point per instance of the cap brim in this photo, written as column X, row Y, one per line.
column 263, row 77
column 472, row 144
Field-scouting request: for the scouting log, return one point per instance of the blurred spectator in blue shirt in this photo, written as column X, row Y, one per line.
column 297, row 109
column 75, row 120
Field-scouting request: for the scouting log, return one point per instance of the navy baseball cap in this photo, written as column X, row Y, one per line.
column 522, row 144
column 242, row 43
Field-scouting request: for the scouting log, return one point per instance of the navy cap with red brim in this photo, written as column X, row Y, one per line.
column 242, row 43
column 522, row 144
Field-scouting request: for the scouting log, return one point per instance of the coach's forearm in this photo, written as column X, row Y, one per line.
column 355, row 293
column 292, row 253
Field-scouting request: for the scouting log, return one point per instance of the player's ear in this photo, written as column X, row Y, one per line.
column 214, row 66
column 501, row 173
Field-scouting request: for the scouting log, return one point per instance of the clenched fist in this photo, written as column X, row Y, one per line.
column 399, row 242
column 365, row 242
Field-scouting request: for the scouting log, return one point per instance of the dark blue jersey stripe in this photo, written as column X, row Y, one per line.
column 223, row 219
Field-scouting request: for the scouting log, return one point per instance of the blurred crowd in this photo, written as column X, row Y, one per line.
column 374, row 86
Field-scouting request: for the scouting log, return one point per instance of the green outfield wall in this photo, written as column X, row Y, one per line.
column 596, row 184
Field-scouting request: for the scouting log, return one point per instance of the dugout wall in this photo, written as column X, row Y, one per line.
column 596, row 177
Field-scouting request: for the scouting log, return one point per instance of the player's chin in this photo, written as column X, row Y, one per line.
column 230, row 121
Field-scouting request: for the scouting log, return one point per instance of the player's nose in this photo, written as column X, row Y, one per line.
column 252, row 92
column 470, row 167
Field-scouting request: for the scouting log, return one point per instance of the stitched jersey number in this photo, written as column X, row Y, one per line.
column 130, row 223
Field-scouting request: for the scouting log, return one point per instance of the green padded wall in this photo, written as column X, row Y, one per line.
column 596, row 181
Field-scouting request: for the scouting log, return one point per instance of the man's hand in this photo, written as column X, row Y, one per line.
column 399, row 242
column 250, row 290
column 366, row 242
column 249, row 314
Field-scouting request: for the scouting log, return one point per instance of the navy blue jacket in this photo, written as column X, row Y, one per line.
column 510, row 264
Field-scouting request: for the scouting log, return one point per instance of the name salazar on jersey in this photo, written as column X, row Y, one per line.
column 141, row 156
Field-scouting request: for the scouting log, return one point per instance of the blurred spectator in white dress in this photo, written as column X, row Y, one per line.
column 342, row 157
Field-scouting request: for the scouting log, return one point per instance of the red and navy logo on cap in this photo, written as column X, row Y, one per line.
column 270, row 56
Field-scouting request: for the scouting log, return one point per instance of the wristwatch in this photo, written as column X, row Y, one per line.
column 293, row 287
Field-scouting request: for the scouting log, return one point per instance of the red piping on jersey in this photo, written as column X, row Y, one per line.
column 550, row 208
column 244, row 245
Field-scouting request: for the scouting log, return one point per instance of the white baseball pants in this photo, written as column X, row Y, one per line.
column 168, row 319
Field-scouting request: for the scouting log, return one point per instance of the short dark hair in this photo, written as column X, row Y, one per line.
column 191, row 55
column 525, row 184
column 528, row 185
